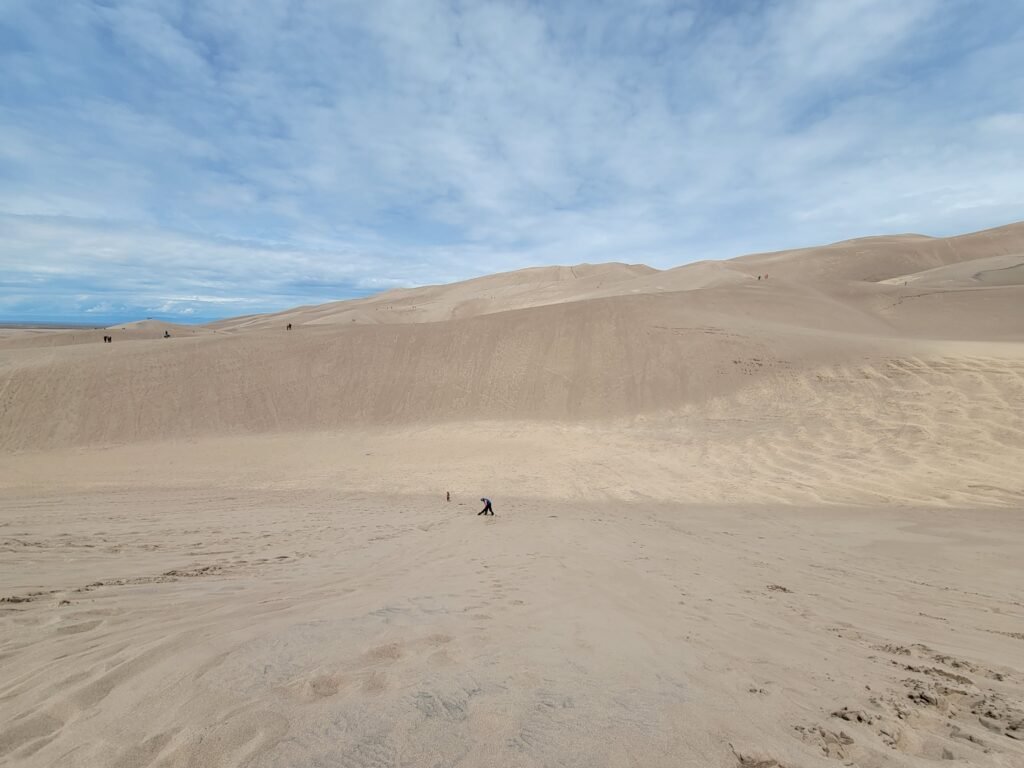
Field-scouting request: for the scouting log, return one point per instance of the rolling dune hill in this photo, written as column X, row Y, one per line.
column 551, row 344
column 874, row 259
column 141, row 330
column 740, row 523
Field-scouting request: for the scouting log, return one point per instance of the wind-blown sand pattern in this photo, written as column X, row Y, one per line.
column 740, row 522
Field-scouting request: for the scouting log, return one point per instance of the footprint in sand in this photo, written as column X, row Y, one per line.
column 74, row 629
column 834, row 745
column 321, row 687
column 383, row 654
column 38, row 728
column 754, row 760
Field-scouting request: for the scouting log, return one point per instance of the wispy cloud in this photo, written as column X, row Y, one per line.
column 202, row 159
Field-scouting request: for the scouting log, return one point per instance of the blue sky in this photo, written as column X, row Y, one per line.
column 196, row 159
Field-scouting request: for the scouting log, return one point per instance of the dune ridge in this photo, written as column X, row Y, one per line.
column 920, row 371
column 550, row 343
column 741, row 523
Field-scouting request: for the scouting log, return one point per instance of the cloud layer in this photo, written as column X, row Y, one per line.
column 200, row 159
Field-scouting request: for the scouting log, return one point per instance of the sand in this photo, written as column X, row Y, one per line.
column 740, row 522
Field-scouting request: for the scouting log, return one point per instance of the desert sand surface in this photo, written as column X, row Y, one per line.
column 62, row 337
column 741, row 522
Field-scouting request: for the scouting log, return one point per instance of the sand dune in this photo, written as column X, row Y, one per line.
column 485, row 295
column 292, row 628
column 1004, row 269
column 873, row 259
column 661, row 342
column 141, row 330
column 742, row 523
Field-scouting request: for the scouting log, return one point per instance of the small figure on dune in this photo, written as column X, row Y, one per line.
column 487, row 510
column 447, row 495
column 167, row 334
column 288, row 327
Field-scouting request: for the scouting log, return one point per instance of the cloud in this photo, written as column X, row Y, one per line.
column 208, row 158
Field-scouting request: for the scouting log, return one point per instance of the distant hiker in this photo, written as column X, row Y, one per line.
column 288, row 327
column 759, row 278
column 447, row 495
column 167, row 334
column 487, row 510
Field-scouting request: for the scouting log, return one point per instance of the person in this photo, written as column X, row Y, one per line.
column 447, row 495
column 487, row 508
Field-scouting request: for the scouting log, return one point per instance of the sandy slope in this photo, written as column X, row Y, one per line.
column 740, row 522
column 645, row 350
column 226, row 626
column 874, row 259
column 140, row 330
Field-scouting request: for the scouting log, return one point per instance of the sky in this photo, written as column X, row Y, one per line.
column 193, row 159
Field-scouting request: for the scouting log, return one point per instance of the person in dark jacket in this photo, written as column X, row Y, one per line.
column 487, row 510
